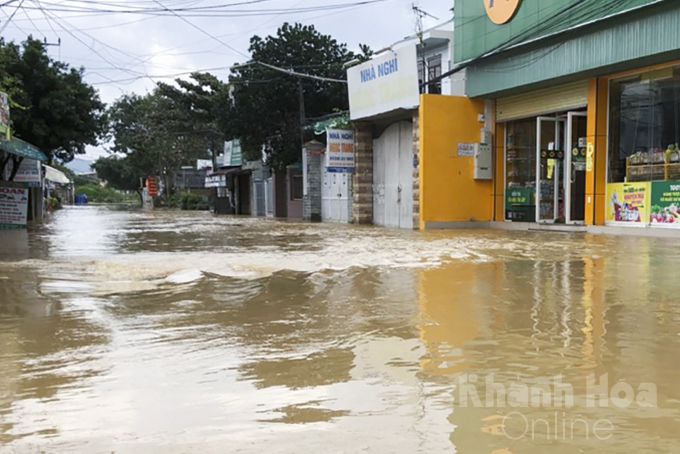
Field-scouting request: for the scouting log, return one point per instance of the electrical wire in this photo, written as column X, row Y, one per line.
column 9, row 19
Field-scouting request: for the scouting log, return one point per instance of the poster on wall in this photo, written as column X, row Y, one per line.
column 665, row 204
column 520, row 204
column 628, row 203
column 340, row 150
column 13, row 205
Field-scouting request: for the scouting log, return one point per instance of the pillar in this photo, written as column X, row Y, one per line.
column 362, row 184
column 416, row 169
column 313, row 164
column 596, row 155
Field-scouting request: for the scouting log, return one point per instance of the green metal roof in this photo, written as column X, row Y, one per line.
column 23, row 149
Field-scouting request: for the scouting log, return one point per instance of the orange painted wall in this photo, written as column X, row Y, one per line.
column 596, row 184
column 448, row 190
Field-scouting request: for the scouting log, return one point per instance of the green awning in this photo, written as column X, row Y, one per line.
column 24, row 149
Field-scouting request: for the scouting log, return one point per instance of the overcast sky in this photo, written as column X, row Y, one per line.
column 124, row 52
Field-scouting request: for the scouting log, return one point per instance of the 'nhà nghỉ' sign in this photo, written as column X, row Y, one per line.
column 340, row 150
column 386, row 83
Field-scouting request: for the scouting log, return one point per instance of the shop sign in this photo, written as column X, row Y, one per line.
column 629, row 203
column 386, row 83
column 216, row 181
column 151, row 186
column 29, row 172
column 233, row 156
column 339, row 150
column 665, row 204
column 501, row 11
column 13, row 205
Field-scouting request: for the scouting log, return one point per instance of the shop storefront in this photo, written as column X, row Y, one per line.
column 643, row 172
column 544, row 146
column 587, row 130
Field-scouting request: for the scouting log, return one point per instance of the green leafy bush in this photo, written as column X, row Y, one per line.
column 188, row 202
column 98, row 194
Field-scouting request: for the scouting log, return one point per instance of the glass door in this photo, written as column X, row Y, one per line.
column 575, row 167
column 550, row 136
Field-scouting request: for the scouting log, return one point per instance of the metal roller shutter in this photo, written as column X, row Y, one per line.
column 544, row 101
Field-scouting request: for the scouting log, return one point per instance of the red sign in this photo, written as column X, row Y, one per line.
column 151, row 187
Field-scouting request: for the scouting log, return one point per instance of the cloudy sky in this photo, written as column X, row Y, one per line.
column 124, row 51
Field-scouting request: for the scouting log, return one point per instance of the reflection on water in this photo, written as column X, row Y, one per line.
column 185, row 333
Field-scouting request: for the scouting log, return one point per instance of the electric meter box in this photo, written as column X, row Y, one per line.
column 483, row 162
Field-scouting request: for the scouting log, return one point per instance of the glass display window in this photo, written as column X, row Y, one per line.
column 645, row 127
column 520, row 170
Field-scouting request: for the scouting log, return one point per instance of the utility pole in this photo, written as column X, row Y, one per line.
column 57, row 44
column 303, row 118
column 420, row 14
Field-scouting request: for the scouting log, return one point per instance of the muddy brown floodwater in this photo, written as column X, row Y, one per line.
column 129, row 332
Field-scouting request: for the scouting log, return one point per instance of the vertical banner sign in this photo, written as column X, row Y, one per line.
column 629, row 203
column 151, row 186
column 13, row 205
column 4, row 117
column 340, row 150
column 665, row 204
column 228, row 150
column 233, row 156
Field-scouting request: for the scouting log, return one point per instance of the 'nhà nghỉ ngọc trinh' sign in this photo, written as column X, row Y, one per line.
column 340, row 150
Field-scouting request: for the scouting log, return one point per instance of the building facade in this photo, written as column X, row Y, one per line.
column 395, row 98
column 583, row 100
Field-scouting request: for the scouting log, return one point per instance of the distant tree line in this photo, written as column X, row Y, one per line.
column 176, row 124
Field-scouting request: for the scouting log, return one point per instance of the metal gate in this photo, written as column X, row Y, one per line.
column 259, row 198
column 393, row 177
column 335, row 197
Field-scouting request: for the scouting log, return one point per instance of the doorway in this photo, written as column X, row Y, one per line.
column 393, row 177
column 335, row 196
column 560, row 168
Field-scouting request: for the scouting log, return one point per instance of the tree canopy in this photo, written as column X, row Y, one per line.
column 157, row 133
column 52, row 107
column 265, row 109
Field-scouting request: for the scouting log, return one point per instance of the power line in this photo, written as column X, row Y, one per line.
column 4, row 26
column 301, row 75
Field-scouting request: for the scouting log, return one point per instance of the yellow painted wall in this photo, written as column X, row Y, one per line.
column 448, row 191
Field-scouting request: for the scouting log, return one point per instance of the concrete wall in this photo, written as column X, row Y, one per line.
column 448, row 191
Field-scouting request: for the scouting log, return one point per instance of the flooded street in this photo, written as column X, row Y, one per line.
column 131, row 332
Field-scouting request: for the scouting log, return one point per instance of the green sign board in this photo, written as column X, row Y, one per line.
column 665, row 203
column 476, row 34
column 520, row 197
column 233, row 156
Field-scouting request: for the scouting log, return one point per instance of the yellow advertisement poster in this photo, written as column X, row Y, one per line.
column 628, row 202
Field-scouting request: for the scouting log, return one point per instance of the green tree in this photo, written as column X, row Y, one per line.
column 52, row 106
column 168, row 128
column 265, row 110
